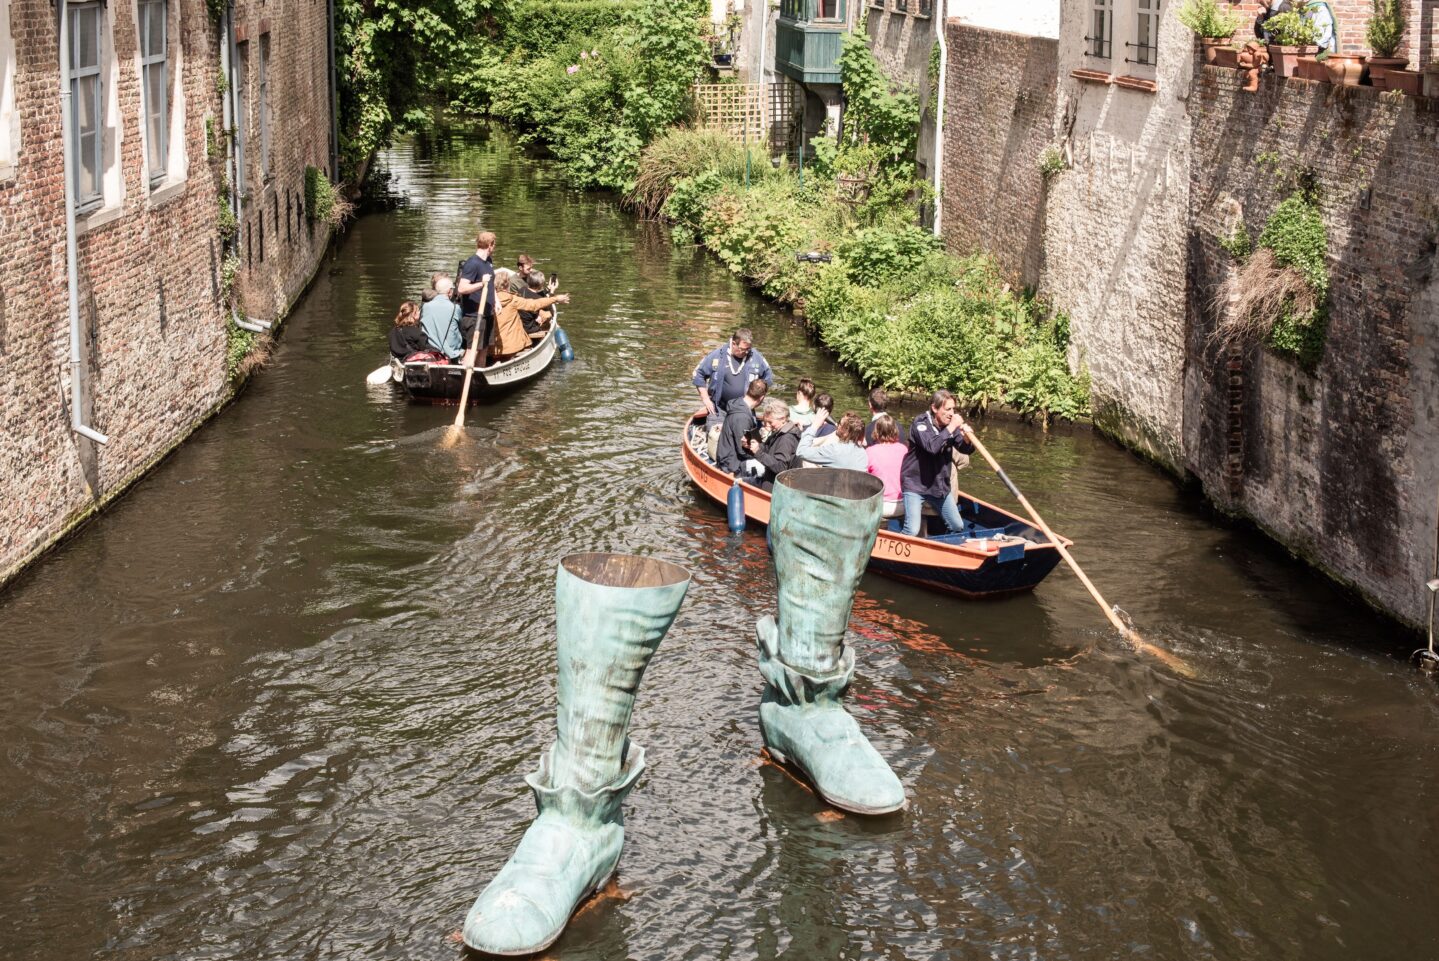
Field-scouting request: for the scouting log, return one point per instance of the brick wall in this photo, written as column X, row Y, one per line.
column 154, row 336
column 1352, row 20
column 1341, row 465
column 999, row 103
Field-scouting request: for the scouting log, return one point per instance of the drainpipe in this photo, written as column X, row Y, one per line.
column 72, row 266
column 939, row 118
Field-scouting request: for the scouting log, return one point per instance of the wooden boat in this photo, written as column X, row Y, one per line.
column 999, row 553
column 441, row 384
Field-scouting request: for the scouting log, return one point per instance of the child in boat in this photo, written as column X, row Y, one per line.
column 800, row 412
column 406, row 336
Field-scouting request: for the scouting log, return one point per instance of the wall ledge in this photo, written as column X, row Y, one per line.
column 1092, row 76
column 1136, row 83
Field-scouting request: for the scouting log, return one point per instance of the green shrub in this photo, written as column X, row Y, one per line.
column 874, row 253
column 323, row 201
column 1386, row 28
column 683, row 153
column 1291, row 29
column 1207, row 20
column 1296, row 234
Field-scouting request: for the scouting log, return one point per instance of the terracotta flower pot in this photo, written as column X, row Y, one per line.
column 1405, row 81
column 1210, row 47
column 1307, row 68
column 1344, row 69
column 1226, row 57
column 1379, row 68
column 1286, row 59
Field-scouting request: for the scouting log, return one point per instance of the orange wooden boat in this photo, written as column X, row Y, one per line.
column 998, row 553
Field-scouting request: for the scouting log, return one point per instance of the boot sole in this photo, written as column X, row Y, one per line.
column 813, row 786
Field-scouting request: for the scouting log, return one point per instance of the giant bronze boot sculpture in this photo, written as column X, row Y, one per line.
column 611, row 611
column 823, row 524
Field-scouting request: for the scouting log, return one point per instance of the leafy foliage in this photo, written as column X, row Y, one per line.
column 1386, row 28
column 1296, row 235
column 323, row 200
column 1291, row 29
column 1206, row 19
column 875, row 252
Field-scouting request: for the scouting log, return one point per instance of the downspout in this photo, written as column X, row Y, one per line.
column 72, row 266
column 939, row 117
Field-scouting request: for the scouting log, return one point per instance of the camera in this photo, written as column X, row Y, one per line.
column 814, row 257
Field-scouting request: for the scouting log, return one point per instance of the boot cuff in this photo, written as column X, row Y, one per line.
column 601, row 804
column 793, row 685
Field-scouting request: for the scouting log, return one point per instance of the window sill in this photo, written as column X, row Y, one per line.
column 96, row 219
column 1092, row 76
column 1136, row 83
column 166, row 193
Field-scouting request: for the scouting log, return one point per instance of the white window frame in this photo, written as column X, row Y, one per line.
column 89, row 194
column 156, row 135
column 264, row 97
column 1142, row 11
column 1099, row 34
column 9, row 116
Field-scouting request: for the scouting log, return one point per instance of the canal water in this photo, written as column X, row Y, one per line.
column 277, row 703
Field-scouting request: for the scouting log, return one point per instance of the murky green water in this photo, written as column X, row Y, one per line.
column 278, row 702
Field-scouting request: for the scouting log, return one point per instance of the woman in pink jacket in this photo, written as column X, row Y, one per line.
column 886, row 455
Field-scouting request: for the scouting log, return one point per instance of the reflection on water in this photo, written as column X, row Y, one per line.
column 278, row 702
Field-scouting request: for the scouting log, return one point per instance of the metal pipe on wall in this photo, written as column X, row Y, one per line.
column 72, row 264
column 939, row 116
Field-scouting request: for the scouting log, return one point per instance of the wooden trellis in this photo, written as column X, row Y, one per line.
column 758, row 113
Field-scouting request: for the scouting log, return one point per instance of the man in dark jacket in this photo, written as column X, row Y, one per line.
column 730, row 454
column 776, row 453
column 924, row 475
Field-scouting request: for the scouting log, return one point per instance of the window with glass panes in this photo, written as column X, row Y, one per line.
column 829, row 9
column 155, row 80
column 1101, row 28
column 926, row 7
column 1146, row 49
column 86, row 105
column 264, row 84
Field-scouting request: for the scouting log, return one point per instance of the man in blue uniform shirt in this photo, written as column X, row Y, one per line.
column 727, row 371
column 924, row 474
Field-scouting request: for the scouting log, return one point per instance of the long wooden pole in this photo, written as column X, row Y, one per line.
column 459, row 424
column 1173, row 660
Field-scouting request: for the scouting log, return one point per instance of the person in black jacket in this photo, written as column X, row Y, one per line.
column 730, row 453
column 407, row 336
column 924, row 475
column 776, row 453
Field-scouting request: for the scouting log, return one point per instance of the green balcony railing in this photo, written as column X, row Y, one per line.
column 807, row 39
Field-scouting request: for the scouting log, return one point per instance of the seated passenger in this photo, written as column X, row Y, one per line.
column 886, row 456
column 536, row 320
column 511, row 335
column 518, row 281
column 844, row 451
column 824, row 416
column 730, row 451
column 800, row 412
column 440, row 319
column 776, row 453
column 406, row 337
column 879, row 407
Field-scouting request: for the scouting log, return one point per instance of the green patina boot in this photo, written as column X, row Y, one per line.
column 823, row 524
column 611, row 611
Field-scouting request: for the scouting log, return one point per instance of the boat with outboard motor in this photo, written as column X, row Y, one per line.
column 998, row 553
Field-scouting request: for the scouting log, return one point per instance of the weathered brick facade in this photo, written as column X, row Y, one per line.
column 998, row 124
column 1341, row 465
column 154, row 334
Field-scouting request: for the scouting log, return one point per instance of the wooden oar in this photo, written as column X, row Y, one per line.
column 1173, row 660
column 457, row 429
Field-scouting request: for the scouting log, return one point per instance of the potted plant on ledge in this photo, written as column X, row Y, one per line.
column 1214, row 27
column 1291, row 37
column 1385, row 34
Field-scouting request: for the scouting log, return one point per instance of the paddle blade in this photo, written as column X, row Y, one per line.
column 378, row 376
column 453, row 433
